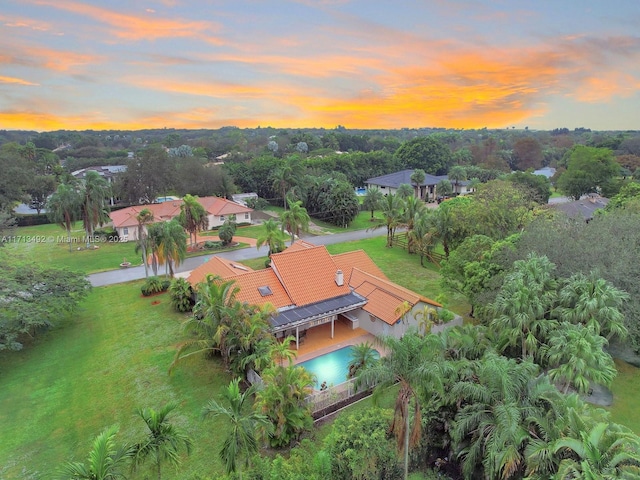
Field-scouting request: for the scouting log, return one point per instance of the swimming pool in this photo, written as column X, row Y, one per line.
column 331, row 368
column 361, row 191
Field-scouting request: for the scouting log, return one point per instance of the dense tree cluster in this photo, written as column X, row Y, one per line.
column 33, row 298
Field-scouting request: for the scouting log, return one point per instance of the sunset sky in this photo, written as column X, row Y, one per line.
column 133, row 64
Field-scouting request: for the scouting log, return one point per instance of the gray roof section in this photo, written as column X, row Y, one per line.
column 583, row 208
column 301, row 315
column 394, row 180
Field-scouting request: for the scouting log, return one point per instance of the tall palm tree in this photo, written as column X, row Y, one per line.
column 406, row 364
column 372, row 200
column 417, row 179
column 63, row 207
column 576, row 357
column 363, row 355
column 242, row 440
column 456, row 175
column 171, row 245
column 606, row 451
column 272, row 236
column 491, row 430
column 212, row 313
column 295, row 220
column 414, row 208
column 593, row 302
column 193, row 217
column 94, row 205
column 404, row 191
column 143, row 218
column 283, row 401
column 392, row 208
column 106, row 460
column 523, row 305
column 163, row 440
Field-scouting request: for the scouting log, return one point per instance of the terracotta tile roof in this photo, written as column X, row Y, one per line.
column 357, row 259
column 383, row 296
column 217, row 266
column 126, row 217
column 308, row 275
column 382, row 305
column 299, row 245
column 251, row 283
column 221, row 206
column 164, row 211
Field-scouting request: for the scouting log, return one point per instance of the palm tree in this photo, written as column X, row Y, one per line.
column 523, row 305
column 105, row 462
column 606, row 451
column 193, row 217
column 406, row 364
column 163, row 440
column 392, row 208
column 491, row 429
column 363, row 356
column 372, row 200
column 426, row 318
column 284, row 177
column 212, row 313
column 576, row 357
column 63, row 207
column 272, row 236
column 94, row 204
column 404, row 191
column 171, row 245
column 242, row 440
column 295, row 220
column 593, row 302
column 283, row 401
column 414, row 208
column 144, row 217
column 417, row 179
column 456, row 175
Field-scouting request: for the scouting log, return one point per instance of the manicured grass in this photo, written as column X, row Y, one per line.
column 405, row 270
column 626, row 392
column 92, row 371
column 47, row 244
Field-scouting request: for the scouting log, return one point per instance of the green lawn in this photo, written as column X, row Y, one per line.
column 92, row 371
column 626, row 391
column 47, row 244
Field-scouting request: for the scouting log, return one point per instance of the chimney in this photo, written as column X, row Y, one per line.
column 339, row 278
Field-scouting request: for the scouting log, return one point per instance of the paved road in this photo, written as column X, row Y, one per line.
column 135, row 273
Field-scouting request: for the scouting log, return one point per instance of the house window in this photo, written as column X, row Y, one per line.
column 125, row 231
column 246, row 216
column 222, row 218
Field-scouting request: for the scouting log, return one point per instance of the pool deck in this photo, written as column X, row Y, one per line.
column 318, row 340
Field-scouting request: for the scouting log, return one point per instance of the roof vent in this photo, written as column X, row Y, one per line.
column 265, row 290
column 339, row 278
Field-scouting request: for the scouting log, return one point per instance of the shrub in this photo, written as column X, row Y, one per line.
column 445, row 316
column 209, row 244
column 107, row 233
column 152, row 285
column 258, row 203
column 181, row 295
column 226, row 232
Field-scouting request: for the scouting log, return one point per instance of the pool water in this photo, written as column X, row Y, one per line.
column 361, row 191
column 331, row 368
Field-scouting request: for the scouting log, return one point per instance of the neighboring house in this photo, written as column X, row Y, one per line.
column 310, row 287
column 584, row 208
column 427, row 190
column 108, row 172
column 218, row 210
column 242, row 198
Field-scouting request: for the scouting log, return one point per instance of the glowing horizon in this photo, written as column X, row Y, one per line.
column 100, row 65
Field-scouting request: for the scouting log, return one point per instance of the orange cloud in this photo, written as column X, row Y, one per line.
column 16, row 81
column 134, row 27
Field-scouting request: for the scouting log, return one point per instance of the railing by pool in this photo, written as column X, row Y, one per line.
column 334, row 398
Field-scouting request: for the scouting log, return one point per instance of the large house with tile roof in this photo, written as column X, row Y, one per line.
column 427, row 189
column 218, row 210
column 310, row 287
